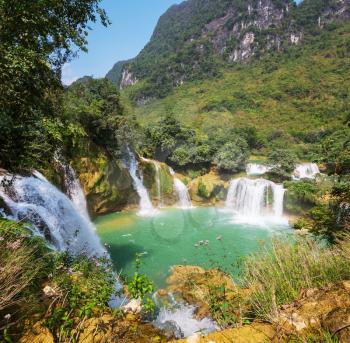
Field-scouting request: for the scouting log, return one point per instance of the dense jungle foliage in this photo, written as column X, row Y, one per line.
column 36, row 39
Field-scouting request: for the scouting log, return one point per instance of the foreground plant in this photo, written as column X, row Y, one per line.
column 58, row 290
column 84, row 288
column 281, row 273
column 141, row 287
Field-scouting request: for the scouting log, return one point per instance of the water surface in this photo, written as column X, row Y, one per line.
column 207, row 237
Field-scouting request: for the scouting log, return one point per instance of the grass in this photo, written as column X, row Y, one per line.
column 21, row 265
column 279, row 274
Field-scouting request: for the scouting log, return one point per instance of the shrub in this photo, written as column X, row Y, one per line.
column 277, row 276
column 232, row 156
column 85, row 286
column 300, row 195
column 339, row 141
column 283, row 162
column 141, row 287
column 224, row 310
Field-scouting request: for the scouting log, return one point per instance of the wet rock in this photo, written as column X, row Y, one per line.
column 106, row 183
column 192, row 284
column 170, row 329
column 134, row 306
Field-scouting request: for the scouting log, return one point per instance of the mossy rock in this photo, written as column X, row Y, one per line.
column 106, row 183
column 208, row 188
column 149, row 173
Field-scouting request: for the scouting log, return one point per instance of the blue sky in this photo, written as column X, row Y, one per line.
column 133, row 22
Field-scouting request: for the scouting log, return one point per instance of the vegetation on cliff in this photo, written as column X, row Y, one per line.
column 37, row 38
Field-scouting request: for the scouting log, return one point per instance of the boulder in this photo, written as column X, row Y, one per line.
column 108, row 328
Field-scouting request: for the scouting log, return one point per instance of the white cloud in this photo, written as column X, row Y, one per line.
column 68, row 75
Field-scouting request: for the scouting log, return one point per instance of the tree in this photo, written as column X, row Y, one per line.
column 36, row 38
column 336, row 152
column 233, row 155
column 283, row 162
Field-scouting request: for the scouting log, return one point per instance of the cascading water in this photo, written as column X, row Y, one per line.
column 146, row 207
column 255, row 200
column 182, row 317
column 73, row 186
column 184, row 199
column 182, row 192
column 52, row 214
column 305, row 171
column 157, row 179
column 257, row 169
column 159, row 193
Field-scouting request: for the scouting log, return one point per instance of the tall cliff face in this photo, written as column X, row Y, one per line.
column 193, row 39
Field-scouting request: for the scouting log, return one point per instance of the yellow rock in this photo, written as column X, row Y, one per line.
column 192, row 283
column 207, row 188
column 254, row 333
column 37, row 334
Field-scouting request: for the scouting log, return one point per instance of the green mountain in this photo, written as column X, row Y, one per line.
column 195, row 39
column 116, row 73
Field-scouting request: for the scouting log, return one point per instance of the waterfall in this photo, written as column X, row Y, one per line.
column 157, row 168
column 159, row 193
column 73, row 186
column 305, row 171
column 184, row 199
column 250, row 199
column 52, row 214
column 146, row 207
column 257, row 169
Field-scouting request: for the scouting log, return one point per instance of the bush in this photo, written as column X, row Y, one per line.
column 24, row 263
column 277, row 275
column 336, row 152
column 300, row 196
column 283, row 162
column 85, row 286
column 141, row 287
column 232, row 156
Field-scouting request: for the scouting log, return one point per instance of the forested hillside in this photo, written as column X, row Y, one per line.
column 195, row 39
column 294, row 100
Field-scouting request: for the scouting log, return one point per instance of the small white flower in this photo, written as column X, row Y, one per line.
column 7, row 316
